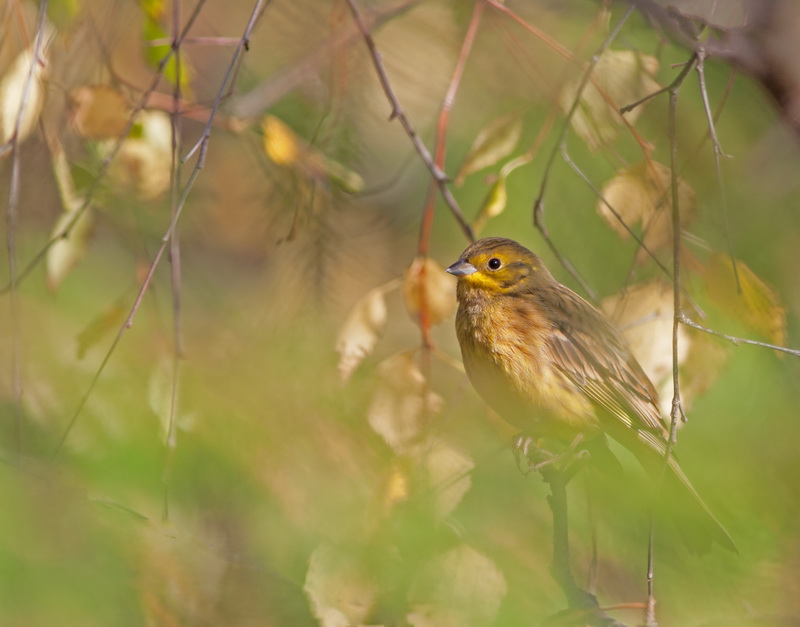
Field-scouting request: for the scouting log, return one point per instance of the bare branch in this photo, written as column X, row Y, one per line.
column 397, row 112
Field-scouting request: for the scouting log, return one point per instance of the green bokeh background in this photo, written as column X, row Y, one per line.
column 274, row 456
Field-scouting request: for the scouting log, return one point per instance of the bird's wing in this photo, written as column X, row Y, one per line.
column 595, row 357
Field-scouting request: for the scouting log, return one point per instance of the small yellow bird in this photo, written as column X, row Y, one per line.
column 554, row 366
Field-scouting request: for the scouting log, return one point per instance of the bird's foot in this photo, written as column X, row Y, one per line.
column 531, row 457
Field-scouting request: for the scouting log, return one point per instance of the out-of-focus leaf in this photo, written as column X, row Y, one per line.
column 160, row 389
column 106, row 321
column 12, row 90
column 350, row 181
column 285, row 148
column 755, row 304
column 447, row 470
column 69, row 247
column 180, row 576
column 280, row 142
column 643, row 313
column 397, row 412
column 641, row 194
column 340, row 586
column 493, row 205
column 361, row 330
column 425, row 279
column 702, row 366
column 620, row 77
column 143, row 162
column 99, row 111
column 459, row 587
column 494, row 142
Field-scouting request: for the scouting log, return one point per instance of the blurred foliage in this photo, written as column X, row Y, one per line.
column 219, row 471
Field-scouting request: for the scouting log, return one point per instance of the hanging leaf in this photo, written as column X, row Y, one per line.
column 641, row 195
column 98, row 111
column 424, row 278
column 13, row 90
column 461, row 586
column 144, row 160
column 619, row 78
column 644, row 314
column 285, row 148
column 447, row 471
column 493, row 205
column 397, row 411
column 361, row 330
column 494, row 142
column 72, row 232
column 101, row 325
column 341, row 587
column 753, row 303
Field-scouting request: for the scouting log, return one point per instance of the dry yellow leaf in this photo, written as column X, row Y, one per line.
column 280, row 142
column 754, row 303
column 493, row 143
column 620, row 77
column 361, row 330
column 425, row 279
column 285, row 148
column 98, row 111
column 640, row 194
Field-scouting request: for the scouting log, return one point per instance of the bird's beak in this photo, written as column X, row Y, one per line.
column 462, row 267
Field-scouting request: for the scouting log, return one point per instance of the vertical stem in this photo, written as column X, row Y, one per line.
column 175, row 263
column 12, row 212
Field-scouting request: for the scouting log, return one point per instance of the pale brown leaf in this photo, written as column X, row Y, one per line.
column 640, row 195
column 620, row 77
column 461, row 587
column 361, row 330
column 425, row 281
column 340, row 586
column 98, row 111
column 494, row 142
column 397, row 411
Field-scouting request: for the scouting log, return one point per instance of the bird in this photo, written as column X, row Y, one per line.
column 554, row 366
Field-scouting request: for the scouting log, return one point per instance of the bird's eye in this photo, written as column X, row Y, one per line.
column 494, row 263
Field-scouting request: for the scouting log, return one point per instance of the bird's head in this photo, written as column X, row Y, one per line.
column 500, row 266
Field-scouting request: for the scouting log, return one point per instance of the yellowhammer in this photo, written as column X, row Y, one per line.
column 554, row 366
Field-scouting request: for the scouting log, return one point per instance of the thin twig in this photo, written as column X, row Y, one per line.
column 170, row 442
column 538, row 205
column 718, row 152
column 737, row 340
column 167, row 237
column 614, row 212
column 106, row 163
column 397, row 113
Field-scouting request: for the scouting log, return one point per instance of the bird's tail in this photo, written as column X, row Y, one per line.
column 677, row 492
